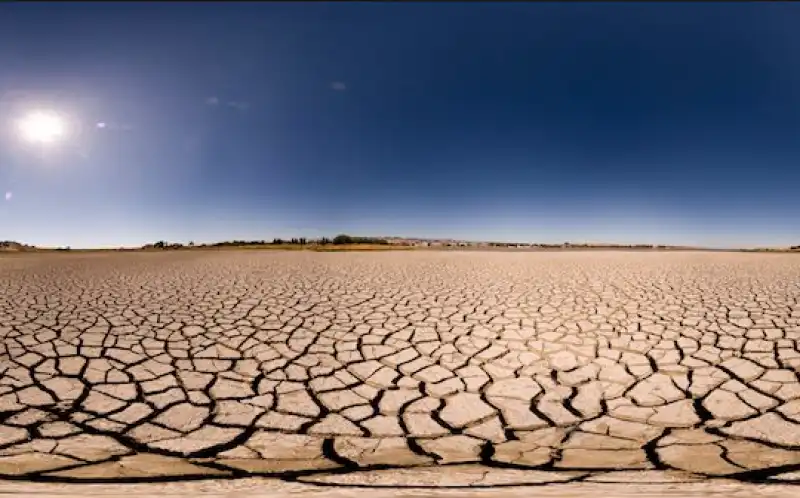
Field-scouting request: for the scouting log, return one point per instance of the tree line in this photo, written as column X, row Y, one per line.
column 341, row 239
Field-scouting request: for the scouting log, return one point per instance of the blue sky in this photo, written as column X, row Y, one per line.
column 636, row 122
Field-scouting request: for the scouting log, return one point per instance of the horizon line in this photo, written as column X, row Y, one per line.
column 440, row 240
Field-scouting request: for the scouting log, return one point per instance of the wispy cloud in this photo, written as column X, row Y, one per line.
column 239, row 105
column 105, row 125
column 9, row 195
column 339, row 86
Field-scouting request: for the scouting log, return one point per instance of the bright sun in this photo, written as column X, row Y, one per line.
column 42, row 127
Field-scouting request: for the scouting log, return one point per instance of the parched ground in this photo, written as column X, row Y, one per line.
column 420, row 370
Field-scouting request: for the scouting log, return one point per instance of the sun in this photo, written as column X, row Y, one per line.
column 42, row 127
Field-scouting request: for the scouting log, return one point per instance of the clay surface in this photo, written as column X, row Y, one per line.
column 302, row 372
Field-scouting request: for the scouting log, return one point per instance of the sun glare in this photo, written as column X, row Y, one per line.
column 42, row 127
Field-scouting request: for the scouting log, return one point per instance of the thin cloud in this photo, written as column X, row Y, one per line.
column 239, row 105
column 105, row 125
column 339, row 86
column 9, row 195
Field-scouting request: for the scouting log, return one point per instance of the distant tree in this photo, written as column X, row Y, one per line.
column 342, row 239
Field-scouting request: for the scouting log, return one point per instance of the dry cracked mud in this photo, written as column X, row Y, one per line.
column 407, row 369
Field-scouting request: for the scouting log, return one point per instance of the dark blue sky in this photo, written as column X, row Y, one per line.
column 649, row 122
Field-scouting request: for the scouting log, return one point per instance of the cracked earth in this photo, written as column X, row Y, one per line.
column 401, row 369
